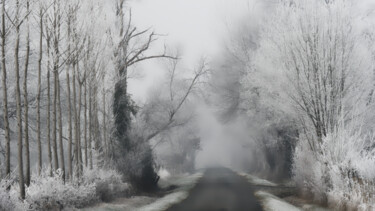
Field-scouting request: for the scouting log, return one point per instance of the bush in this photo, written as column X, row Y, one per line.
column 341, row 172
column 50, row 193
column 108, row 183
column 45, row 193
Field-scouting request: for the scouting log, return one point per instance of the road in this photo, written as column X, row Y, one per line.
column 220, row 189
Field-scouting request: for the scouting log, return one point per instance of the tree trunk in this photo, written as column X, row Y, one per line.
column 79, row 123
column 85, row 126
column 70, row 168
column 105, row 147
column 26, row 104
column 39, row 91
column 5, row 91
column 49, row 107
column 54, row 119
column 18, row 102
column 90, row 123
column 57, row 25
column 75, row 121
column 62, row 161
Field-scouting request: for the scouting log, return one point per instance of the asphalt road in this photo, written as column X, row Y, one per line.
column 220, row 189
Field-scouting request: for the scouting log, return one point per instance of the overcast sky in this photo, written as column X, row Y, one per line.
column 196, row 27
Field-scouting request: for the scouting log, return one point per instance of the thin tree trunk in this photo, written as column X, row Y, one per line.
column 49, row 108
column 70, row 168
column 5, row 91
column 90, row 123
column 85, row 114
column 54, row 121
column 39, row 91
column 104, row 123
column 26, row 104
column 18, row 102
column 57, row 28
column 55, row 92
column 62, row 161
column 79, row 122
column 75, row 121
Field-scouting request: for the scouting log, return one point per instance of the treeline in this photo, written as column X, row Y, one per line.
column 53, row 53
column 309, row 76
column 72, row 60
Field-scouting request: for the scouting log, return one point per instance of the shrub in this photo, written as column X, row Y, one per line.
column 341, row 171
column 108, row 183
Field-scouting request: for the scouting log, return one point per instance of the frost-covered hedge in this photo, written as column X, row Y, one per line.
column 50, row 193
column 341, row 172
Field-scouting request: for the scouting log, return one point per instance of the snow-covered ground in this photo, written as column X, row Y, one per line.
column 145, row 203
column 256, row 180
column 270, row 202
column 273, row 203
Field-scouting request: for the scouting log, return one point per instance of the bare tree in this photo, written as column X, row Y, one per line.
column 48, row 40
column 5, row 91
column 68, row 69
column 26, row 105
column 41, row 13
column 17, row 24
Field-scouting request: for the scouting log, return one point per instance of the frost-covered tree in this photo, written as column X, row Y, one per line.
column 321, row 68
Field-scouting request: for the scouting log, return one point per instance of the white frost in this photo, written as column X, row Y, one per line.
column 273, row 203
column 256, row 180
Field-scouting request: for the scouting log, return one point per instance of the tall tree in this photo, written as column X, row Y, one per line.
column 68, row 67
column 25, row 95
column 127, row 52
column 17, row 24
column 41, row 13
column 4, row 84
column 57, row 37
column 55, row 86
column 49, row 150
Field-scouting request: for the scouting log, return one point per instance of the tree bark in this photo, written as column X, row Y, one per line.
column 26, row 104
column 90, row 123
column 54, row 119
column 79, row 122
column 39, row 90
column 70, row 168
column 49, row 106
column 57, row 28
column 5, row 90
column 85, row 115
column 76, row 170
column 55, row 91
column 18, row 102
column 105, row 147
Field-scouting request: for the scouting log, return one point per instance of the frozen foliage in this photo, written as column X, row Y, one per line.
column 108, row 183
column 9, row 199
column 46, row 192
column 321, row 67
column 345, row 163
column 143, row 203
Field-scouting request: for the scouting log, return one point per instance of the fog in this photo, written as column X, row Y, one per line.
column 202, row 29
column 111, row 100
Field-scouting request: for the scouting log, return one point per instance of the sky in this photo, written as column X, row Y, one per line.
column 197, row 28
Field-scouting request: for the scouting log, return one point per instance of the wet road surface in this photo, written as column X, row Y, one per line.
column 220, row 189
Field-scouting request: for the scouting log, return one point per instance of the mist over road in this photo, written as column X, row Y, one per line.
column 220, row 189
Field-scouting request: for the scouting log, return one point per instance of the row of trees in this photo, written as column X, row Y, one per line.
column 73, row 60
column 312, row 72
column 51, row 49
